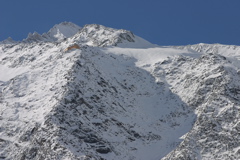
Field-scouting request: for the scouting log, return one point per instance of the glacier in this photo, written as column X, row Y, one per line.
column 117, row 97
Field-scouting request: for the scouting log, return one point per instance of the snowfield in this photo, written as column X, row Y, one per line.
column 117, row 97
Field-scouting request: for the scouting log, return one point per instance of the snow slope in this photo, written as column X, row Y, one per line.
column 117, row 97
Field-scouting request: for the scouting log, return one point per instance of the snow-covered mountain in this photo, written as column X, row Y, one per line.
column 59, row 32
column 117, row 97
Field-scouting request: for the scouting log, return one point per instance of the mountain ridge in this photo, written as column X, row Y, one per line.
column 117, row 97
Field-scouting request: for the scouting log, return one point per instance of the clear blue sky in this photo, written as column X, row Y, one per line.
column 163, row 22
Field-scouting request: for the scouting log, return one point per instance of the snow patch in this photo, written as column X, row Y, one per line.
column 9, row 73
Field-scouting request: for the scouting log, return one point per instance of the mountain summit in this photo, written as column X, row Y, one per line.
column 97, row 93
column 59, row 32
column 62, row 31
column 91, row 34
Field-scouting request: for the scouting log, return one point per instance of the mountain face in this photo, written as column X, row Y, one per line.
column 117, row 97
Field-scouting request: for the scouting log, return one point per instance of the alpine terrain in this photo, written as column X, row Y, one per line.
column 95, row 93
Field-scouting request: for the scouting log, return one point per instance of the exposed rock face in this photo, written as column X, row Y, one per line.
column 110, row 100
column 209, row 86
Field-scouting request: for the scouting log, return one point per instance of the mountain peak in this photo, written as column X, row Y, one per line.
column 57, row 33
column 8, row 40
column 90, row 34
column 99, row 35
column 63, row 30
column 34, row 37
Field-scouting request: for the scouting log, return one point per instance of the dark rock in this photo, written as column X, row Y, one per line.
column 103, row 150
